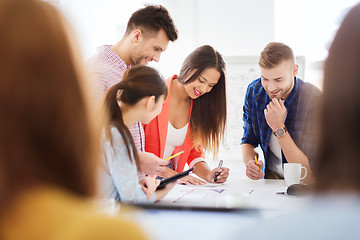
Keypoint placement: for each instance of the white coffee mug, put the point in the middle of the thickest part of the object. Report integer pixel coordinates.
(292, 173)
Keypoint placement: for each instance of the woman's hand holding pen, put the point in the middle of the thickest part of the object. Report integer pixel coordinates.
(253, 170)
(223, 174)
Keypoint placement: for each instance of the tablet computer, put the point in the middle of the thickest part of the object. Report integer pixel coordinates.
(174, 178)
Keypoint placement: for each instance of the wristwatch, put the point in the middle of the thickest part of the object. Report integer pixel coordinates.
(280, 132)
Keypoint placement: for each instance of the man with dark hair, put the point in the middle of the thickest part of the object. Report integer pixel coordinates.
(152, 19)
(147, 35)
(279, 114)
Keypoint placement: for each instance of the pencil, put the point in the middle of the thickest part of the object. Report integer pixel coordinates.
(256, 162)
(175, 155)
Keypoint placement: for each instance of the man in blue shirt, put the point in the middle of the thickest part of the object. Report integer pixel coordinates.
(280, 115)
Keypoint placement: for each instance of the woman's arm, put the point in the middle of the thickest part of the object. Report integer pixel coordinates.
(123, 172)
(188, 180)
(203, 171)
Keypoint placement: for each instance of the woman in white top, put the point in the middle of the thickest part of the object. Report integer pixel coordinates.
(193, 117)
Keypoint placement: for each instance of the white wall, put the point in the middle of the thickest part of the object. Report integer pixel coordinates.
(309, 26)
(233, 27)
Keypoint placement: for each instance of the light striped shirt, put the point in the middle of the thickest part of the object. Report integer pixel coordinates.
(106, 69)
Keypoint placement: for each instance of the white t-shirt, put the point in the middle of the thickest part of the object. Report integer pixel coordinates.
(175, 137)
(275, 157)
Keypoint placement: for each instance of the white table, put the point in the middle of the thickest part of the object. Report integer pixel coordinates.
(258, 196)
(236, 193)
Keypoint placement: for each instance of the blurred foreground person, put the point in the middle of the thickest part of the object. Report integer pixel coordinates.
(48, 144)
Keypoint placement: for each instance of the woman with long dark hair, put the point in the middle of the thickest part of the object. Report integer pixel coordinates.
(193, 117)
(138, 97)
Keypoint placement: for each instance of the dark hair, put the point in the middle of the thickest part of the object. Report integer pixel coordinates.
(338, 163)
(47, 137)
(208, 116)
(153, 18)
(274, 53)
(138, 82)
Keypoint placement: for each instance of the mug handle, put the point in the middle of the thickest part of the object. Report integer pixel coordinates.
(305, 172)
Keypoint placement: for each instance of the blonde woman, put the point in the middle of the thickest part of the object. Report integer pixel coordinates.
(48, 143)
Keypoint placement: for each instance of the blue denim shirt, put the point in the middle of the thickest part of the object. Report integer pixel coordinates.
(301, 120)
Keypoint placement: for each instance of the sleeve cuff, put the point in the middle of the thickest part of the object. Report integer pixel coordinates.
(153, 197)
(195, 161)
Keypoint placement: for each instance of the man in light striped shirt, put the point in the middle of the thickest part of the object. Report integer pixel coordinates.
(147, 35)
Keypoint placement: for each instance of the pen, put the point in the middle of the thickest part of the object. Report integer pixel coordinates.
(175, 155)
(167, 159)
(256, 162)
(217, 174)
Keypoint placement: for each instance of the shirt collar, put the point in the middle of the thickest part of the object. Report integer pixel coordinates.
(113, 57)
(294, 92)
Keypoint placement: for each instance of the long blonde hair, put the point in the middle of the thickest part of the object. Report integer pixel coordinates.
(47, 134)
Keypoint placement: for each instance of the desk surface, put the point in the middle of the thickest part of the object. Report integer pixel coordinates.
(238, 192)
(260, 196)
(242, 193)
